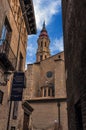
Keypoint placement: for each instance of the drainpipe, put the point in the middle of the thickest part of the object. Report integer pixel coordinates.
(59, 123)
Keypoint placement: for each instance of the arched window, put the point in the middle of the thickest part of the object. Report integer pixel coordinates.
(45, 56)
(45, 44)
(48, 91)
(44, 92)
(40, 57)
(59, 56)
(53, 92)
(41, 43)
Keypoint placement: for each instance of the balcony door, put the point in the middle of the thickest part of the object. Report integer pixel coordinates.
(6, 32)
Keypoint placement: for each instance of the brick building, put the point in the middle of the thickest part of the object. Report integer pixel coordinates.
(15, 25)
(45, 88)
(74, 27)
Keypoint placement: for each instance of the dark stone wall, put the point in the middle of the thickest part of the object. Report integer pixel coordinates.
(74, 31)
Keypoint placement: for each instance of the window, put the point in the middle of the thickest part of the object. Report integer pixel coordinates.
(1, 96)
(41, 43)
(59, 56)
(48, 91)
(40, 57)
(45, 44)
(3, 35)
(49, 74)
(15, 109)
(6, 32)
(13, 128)
(53, 92)
(44, 92)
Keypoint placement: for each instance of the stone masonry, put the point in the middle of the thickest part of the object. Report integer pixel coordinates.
(46, 89)
(74, 28)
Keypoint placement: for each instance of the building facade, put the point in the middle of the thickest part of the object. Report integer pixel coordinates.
(15, 25)
(45, 87)
(74, 27)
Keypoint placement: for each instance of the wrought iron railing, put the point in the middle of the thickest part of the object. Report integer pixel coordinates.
(5, 48)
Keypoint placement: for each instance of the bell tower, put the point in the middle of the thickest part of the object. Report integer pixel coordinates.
(43, 41)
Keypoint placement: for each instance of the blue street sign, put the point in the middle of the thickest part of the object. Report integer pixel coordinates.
(17, 86)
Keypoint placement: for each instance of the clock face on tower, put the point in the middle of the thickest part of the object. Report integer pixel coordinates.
(49, 74)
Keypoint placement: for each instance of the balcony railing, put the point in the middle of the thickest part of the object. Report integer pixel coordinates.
(7, 56)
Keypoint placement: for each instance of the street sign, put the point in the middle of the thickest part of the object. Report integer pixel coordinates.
(19, 79)
(16, 94)
(17, 86)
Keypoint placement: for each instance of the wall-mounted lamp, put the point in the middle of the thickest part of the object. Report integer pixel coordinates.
(5, 78)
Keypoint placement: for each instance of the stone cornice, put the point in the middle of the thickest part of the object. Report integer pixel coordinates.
(46, 99)
(29, 16)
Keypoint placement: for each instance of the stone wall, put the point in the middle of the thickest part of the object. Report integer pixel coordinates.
(45, 107)
(45, 114)
(6, 10)
(74, 27)
(37, 76)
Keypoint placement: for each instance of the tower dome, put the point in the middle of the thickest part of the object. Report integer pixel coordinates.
(43, 31)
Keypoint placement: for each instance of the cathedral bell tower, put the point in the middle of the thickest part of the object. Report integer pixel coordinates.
(43, 51)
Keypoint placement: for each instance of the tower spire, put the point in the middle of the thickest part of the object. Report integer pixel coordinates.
(44, 24)
(43, 51)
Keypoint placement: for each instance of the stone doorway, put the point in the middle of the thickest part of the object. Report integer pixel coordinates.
(26, 122)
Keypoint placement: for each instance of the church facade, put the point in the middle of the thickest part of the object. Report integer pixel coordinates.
(45, 89)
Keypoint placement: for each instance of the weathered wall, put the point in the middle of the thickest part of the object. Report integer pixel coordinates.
(7, 8)
(74, 27)
(45, 114)
(37, 76)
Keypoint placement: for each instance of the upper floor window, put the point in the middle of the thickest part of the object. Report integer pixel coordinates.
(48, 91)
(44, 92)
(59, 56)
(13, 127)
(45, 44)
(40, 57)
(1, 96)
(41, 43)
(53, 91)
(6, 32)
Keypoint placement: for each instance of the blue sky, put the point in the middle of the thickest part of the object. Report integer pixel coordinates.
(50, 11)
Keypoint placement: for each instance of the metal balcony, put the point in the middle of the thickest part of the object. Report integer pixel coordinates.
(7, 57)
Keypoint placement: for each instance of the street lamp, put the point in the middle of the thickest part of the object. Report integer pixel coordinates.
(5, 76)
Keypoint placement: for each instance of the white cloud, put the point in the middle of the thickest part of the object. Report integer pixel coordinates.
(31, 49)
(44, 10)
(57, 46)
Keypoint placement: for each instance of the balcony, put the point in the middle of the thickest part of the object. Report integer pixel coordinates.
(7, 57)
